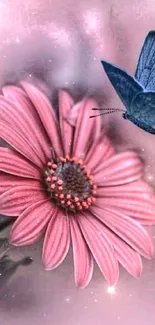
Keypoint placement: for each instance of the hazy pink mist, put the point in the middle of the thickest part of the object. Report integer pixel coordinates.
(62, 43)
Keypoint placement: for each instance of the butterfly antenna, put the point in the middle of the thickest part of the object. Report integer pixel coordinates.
(107, 111)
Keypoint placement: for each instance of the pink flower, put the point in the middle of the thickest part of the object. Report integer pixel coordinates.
(63, 179)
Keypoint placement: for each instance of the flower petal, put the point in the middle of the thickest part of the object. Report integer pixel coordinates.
(65, 105)
(128, 229)
(83, 262)
(126, 256)
(86, 130)
(99, 152)
(31, 223)
(100, 247)
(135, 199)
(47, 115)
(10, 181)
(73, 114)
(120, 169)
(18, 112)
(12, 163)
(57, 241)
(18, 198)
(17, 141)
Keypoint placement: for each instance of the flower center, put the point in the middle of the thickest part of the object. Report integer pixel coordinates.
(69, 184)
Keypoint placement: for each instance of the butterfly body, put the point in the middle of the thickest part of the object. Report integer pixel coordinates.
(137, 93)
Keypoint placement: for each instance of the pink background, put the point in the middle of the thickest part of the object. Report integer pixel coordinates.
(62, 42)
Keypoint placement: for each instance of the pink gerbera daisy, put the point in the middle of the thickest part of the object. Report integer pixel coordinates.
(61, 177)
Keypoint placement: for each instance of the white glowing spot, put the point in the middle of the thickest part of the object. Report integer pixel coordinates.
(30, 75)
(49, 61)
(68, 300)
(130, 295)
(94, 59)
(4, 56)
(66, 82)
(111, 290)
(7, 41)
(2, 3)
(59, 34)
(45, 315)
(95, 300)
(91, 21)
(17, 40)
(118, 318)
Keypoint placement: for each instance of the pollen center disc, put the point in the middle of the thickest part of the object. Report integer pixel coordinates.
(69, 184)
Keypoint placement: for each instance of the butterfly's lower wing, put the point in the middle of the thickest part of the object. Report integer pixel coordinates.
(143, 108)
(145, 72)
(125, 85)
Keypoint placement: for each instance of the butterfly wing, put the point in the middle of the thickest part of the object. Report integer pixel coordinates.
(125, 85)
(145, 72)
(143, 108)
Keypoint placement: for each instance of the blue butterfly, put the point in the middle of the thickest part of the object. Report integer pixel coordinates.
(137, 93)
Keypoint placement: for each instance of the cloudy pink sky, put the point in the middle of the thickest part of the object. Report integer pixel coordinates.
(62, 42)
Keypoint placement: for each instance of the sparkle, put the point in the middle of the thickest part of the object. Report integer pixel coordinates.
(91, 22)
(7, 41)
(17, 40)
(68, 299)
(111, 290)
